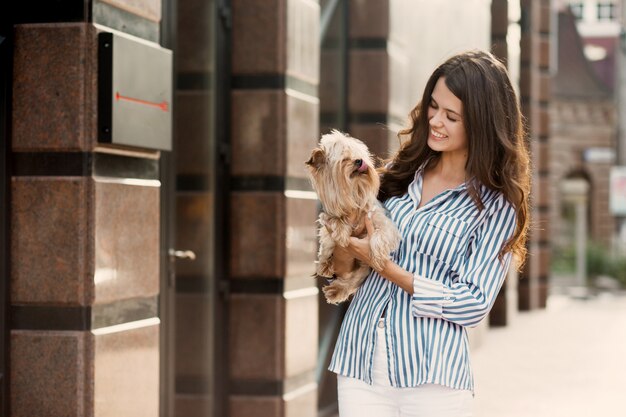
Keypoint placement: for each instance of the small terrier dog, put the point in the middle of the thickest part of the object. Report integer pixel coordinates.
(342, 173)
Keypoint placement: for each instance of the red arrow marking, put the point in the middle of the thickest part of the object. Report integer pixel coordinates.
(162, 105)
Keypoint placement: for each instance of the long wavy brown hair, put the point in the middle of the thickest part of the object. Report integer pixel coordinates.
(497, 149)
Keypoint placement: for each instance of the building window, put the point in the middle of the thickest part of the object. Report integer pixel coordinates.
(606, 11)
(577, 9)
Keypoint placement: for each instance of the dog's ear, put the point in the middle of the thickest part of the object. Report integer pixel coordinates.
(318, 157)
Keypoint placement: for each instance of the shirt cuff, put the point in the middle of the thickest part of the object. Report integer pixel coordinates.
(429, 297)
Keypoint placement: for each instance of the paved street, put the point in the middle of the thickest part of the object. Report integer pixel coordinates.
(567, 360)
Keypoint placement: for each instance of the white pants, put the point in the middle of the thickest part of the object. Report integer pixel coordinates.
(359, 399)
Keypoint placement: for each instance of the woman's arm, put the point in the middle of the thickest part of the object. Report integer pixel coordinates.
(343, 261)
(360, 249)
(469, 298)
(396, 274)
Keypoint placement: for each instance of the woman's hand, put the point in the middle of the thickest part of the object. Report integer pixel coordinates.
(360, 247)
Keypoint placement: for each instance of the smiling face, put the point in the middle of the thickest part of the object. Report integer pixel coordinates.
(445, 117)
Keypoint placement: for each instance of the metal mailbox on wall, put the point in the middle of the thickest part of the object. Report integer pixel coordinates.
(134, 92)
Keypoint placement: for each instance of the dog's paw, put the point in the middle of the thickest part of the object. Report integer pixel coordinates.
(325, 269)
(334, 294)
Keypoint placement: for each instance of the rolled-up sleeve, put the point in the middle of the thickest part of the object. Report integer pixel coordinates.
(429, 297)
(468, 299)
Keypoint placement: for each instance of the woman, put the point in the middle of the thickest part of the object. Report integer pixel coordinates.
(457, 190)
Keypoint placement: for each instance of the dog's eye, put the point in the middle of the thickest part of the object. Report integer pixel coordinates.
(358, 162)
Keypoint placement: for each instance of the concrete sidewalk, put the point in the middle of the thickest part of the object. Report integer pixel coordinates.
(567, 360)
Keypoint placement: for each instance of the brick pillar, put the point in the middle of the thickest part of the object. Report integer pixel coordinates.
(273, 298)
(499, 315)
(535, 96)
(84, 239)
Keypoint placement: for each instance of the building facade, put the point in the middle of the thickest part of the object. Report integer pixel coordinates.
(177, 282)
(583, 144)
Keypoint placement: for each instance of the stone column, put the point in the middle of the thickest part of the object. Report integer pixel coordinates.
(273, 298)
(377, 69)
(84, 231)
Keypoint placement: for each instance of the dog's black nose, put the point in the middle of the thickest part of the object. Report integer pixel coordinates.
(358, 163)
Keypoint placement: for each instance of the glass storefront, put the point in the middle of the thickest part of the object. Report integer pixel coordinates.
(191, 204)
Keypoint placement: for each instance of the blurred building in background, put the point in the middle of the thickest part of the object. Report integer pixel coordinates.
(598, 24)
(587, 144)
(168, 272)
(583, 145)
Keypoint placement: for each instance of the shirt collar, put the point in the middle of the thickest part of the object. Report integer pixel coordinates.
(415, 188)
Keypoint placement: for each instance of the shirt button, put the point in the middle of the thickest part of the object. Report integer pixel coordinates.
(381, 323)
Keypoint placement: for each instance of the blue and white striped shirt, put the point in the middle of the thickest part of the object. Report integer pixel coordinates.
(452, 249)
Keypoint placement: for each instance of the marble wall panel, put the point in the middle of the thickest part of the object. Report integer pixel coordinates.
(330, 87)
(369, 19)
(126, 370)
(379, 139)
(258, 234)
(256, 337)
(302, 131)
(303, 45)
(301, 332)
(244, 406)
(51, 373)
(54, 87)
(258, 132)
(304, 404)
(194, 43)
(188, 405)
(194, 134)
(259, 36)
(301, 239)
(52, 240)
(126, 240)
(368, 68)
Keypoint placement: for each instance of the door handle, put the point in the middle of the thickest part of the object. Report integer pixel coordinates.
(182, 254)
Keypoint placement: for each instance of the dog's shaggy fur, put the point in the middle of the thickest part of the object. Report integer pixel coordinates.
(342, 173)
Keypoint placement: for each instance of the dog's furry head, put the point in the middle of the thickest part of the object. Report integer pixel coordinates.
(342, 172)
